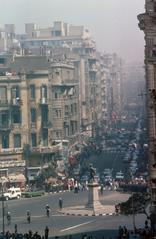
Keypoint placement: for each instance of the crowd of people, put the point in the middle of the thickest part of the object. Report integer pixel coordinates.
(123, 233)
(29, 235)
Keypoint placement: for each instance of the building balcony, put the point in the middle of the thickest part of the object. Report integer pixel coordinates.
(44, 101)
(12, 163)
(44, 149)
(16, 126)
(5, 127)
(46, 124)
(16, 102)
(93, 69)
(4, 103)
(11, 151)
(33, 125)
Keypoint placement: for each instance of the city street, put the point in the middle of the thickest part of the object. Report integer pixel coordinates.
(64, 224)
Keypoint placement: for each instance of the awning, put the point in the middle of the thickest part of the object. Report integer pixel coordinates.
(17, 178)
(3, 180)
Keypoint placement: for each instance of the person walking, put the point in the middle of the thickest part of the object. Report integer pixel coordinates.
(15, 228)
(101, 189)
(60, 203)
(9, 218)
(47, 210)
(46, 233)
(28, 216)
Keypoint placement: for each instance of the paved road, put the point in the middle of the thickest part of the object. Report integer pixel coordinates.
(61, 224)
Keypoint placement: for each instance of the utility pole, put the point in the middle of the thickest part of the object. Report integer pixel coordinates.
(3, 211)
(133, 211)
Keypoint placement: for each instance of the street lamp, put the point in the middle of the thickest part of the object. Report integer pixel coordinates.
(3, 210)
(133, 211)
(26, 152)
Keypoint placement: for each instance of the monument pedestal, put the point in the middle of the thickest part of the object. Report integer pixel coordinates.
(93, 198)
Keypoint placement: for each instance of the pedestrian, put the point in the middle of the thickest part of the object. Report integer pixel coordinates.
(47, 210)
(46, 234)
(9, 218)
(28, 216)
(15, 228)
(60, 203)
(101, 189)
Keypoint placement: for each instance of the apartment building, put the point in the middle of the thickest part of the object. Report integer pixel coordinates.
(65, 104)
(78, 47)
(39, 105)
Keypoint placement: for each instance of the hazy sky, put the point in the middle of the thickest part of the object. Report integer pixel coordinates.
(113, 23)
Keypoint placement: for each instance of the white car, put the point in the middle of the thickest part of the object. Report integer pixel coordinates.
(12, 193)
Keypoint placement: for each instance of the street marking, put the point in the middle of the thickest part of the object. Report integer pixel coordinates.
(79, 225)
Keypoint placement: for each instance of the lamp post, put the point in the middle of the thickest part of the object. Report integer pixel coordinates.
(133, 211)
(3, 210)
(26, 151)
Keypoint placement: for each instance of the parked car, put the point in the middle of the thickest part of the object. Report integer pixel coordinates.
(33, 194)
(12, 193)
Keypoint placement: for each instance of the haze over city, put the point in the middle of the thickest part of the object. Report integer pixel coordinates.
(113, 23)
(77, 119)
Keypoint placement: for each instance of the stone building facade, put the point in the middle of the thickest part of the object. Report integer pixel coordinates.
(39, 108)
(147, 23)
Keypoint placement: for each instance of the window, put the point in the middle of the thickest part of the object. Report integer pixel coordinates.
(75, 108)
(45, 137)
(33, 140)
(71, 109)
(56, 95)
(16, 116)
(15, 92)
(44, 91)
(5, 141)
(2, 60)
(57, 73)
(17, 140)
(66, 110)
(57, 33)
(33, 115)
(4, 119)
(32, 91)
(58, 135)
(3, 94)
(58, 113)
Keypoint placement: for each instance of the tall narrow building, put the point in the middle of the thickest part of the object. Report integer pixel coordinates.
(147, 23)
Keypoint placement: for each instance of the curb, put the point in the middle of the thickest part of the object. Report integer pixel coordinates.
(88, 215)
(63, 191)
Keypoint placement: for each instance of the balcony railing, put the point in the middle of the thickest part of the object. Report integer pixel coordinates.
(33, 125)
(46, 124)
(16, 102)
(45, 149)
(11, 150)
(4, 103)
(16, 126)
(44, 101)
(5, 126)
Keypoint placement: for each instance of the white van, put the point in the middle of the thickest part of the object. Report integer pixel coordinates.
(12, 193)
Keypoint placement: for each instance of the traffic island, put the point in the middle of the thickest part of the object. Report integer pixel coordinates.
(93, 206)
(83, 211)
